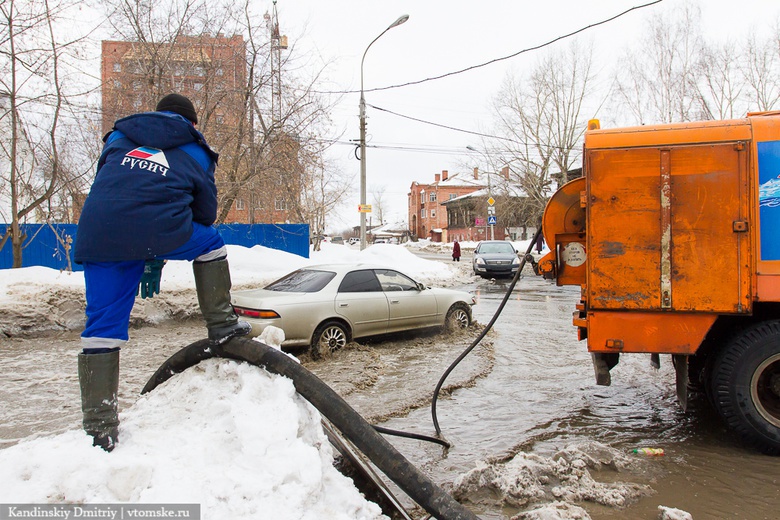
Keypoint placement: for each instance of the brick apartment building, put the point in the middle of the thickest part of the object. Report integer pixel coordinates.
(212, 72)
(427, 215)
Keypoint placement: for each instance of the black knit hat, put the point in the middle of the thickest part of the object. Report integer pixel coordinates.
(178, 104)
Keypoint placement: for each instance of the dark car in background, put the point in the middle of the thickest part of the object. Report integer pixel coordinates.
(495, 258)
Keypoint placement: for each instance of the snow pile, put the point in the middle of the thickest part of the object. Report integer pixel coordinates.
(530, 478)
(229, 436)
(670, 513)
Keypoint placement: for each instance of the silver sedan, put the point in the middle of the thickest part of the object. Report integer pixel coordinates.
(326, 306)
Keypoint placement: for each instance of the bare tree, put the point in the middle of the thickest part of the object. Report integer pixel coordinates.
(379, 203)
(656, 83)
(542, 120)
(324, 188)
(721, 84)
(762, 72)
(266, 130)
(33, 110)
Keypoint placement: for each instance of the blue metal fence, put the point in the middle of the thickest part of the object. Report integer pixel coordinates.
(50, 245)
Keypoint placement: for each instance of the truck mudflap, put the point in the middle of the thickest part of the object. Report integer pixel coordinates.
(602, 364)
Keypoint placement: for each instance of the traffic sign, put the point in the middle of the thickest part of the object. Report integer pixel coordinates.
(364, 208)
(491, 201)
(491, 210)
(492, 220)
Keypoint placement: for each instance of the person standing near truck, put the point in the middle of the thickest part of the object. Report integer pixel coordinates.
(154, 198)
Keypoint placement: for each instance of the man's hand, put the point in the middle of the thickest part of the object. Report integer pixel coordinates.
(150, 281)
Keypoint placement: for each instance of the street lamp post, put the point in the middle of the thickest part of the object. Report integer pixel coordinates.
(401, 19)
(490, 189)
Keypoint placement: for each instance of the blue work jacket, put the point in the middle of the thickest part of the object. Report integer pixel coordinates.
(154, 178)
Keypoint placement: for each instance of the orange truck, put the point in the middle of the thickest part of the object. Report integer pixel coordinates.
(673, 235)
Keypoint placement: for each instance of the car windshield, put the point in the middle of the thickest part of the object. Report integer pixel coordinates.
(305, 281)
(498, 247)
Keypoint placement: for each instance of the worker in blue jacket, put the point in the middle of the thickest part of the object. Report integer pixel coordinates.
(153, 199)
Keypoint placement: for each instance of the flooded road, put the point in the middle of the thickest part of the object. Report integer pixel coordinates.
(541, 398)
(529, 426)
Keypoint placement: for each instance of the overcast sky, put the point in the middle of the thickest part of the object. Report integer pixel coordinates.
(443, 36)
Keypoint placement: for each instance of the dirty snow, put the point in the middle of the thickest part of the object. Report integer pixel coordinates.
(528, 478)
(670, 513)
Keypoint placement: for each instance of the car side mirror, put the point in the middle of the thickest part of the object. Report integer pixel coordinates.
(420, 286)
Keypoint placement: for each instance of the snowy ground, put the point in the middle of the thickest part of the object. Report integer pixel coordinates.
(232, 438)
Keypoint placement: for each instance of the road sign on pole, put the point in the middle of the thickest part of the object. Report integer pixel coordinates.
(364, 208)
(491, 220)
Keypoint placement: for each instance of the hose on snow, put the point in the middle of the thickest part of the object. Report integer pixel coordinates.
(412, 481)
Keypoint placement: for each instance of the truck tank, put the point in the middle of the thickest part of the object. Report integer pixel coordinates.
(673, 235)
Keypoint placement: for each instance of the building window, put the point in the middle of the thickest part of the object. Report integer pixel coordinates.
(280, 205)
(220, 119)
(219, 72)
(197, 87)
(422, 213)
(240, 206)
(433, 213)
(432, 197)
(117, 67)
(452, 196)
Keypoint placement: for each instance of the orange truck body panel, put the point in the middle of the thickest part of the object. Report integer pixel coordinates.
(664, 232)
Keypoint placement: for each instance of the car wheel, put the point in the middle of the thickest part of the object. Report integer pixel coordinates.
(328, 338)
(458, 317)
(745, 385)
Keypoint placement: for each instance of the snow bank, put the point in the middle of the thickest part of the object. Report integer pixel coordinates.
(229, 436)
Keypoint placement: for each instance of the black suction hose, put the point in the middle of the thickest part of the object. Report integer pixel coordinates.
(482, 334)
(412, 481)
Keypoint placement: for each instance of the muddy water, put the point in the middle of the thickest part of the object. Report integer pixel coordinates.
(521, 400)
(540, 398)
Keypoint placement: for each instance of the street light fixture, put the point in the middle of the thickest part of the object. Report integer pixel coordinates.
(490, 190)
(401, 19)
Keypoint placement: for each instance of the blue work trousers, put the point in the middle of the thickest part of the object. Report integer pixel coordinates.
(111, 288)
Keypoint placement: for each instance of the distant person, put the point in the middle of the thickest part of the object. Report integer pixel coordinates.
(539, 242)
(153, 199)
(456, 251)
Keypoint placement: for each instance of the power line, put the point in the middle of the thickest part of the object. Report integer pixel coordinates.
(442, 126)
(496, 60)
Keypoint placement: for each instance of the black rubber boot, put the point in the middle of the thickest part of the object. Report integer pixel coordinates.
(99, 381)
(212, 283)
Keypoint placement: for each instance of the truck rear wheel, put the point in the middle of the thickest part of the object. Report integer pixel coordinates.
(746, 385)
